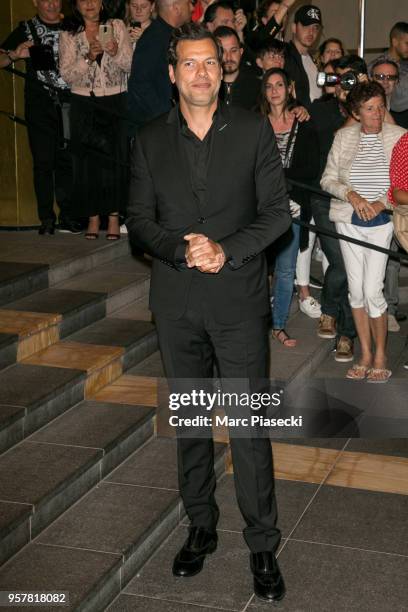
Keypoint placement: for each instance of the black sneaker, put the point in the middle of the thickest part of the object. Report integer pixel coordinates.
(66, 226)
(47, 227)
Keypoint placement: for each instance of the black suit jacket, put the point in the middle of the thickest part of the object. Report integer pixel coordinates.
(149, 88)
(246, 210)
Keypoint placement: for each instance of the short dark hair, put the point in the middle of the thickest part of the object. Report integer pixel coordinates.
(290, 102)
(353, 62)
(274, 45)
(380, 62)
(362, 92)
(211, 10)
(225, 32)
(191, 31)
(401, 27)
(264, 7)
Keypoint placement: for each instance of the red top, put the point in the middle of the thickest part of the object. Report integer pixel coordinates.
(399, 167)
(197, 12)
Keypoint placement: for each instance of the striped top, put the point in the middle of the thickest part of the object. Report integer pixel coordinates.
(369, 174)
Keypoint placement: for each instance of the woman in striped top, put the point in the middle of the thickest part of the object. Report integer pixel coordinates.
(357, 175)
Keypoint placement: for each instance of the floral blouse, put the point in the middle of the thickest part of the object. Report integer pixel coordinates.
(108, 78)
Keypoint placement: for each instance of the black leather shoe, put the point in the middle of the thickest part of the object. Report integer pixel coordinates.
(47, 227)
(268, 581)
(189, 560)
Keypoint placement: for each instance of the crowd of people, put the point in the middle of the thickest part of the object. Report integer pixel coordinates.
(96, 75)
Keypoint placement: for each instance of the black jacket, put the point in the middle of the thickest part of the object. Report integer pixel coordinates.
(246, 210)
(297, 73)
(244, 91)
(149, 87)
(262, 34)
(304, 168)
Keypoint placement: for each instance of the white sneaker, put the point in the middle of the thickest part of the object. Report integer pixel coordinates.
(310, 307)
(393, 325)
(123, 229)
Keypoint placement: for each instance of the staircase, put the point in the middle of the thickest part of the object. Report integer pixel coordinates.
(88, 490)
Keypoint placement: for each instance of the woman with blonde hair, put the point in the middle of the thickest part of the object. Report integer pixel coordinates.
(138, 17)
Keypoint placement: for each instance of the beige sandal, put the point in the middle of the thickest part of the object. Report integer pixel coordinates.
(358, 372)
(378, 375)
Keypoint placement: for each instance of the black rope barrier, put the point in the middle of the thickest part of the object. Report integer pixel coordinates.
(313, 189)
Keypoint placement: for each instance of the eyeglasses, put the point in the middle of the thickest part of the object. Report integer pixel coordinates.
(273, 54)
(385, 77)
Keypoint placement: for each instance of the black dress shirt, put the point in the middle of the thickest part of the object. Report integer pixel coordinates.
(198, 154)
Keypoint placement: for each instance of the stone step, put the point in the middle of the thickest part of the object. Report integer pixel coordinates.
(123, 280)
(109, 533)
(61, 257)
(32, 395)
(41, 319)
(20, 279)
(82, 359)
(44, 475)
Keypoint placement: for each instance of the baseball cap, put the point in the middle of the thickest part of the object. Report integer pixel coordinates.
(308, 14)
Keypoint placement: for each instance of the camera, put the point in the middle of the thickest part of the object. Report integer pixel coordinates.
(135, 24)
(329, 79)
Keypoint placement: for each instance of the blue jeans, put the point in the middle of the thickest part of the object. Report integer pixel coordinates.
(284, 275)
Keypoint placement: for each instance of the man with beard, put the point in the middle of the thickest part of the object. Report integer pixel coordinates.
(207, 196)
(149, 89)
(241, 84)
(299, 63)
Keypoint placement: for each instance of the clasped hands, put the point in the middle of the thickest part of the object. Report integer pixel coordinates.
(204, 254)
(365, 210)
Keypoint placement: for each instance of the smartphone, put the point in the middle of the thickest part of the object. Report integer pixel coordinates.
(135, 24)
(105, 34)
(42, 57)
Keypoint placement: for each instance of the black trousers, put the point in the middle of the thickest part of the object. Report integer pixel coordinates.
(334, 297)
(52, 166)
(189, 347)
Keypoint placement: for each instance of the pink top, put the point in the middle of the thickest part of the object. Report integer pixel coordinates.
(399, 167)
(105, 80)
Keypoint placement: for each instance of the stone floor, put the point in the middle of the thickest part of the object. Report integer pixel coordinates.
(342, 489)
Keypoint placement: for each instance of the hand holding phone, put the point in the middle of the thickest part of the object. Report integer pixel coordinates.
(105, 34)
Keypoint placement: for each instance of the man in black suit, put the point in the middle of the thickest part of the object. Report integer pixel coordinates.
(207, 196)
(149, 88)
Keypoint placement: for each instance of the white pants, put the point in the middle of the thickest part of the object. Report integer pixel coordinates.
(304, 259)
(366, 268)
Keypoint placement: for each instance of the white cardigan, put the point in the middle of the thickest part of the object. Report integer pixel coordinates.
(336, 176)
